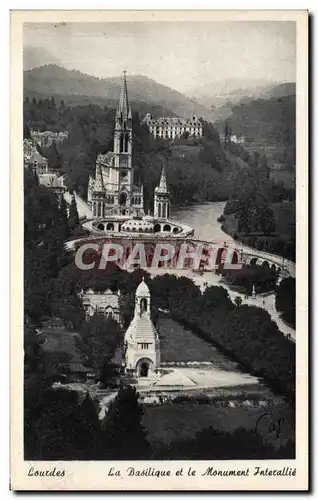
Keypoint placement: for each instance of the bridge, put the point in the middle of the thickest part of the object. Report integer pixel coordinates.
(241, 253)
(245, 254)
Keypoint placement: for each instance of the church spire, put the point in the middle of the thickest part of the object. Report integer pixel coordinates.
(99, 183)
(161, 198)
(163, 182)
(123, 111)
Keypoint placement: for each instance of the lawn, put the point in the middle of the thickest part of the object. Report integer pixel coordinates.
(178, 344)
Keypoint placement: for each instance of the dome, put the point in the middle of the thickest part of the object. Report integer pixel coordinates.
(142, 289)
(138, 225)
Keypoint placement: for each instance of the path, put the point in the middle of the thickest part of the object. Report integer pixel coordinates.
(82, 207)
(213, 279)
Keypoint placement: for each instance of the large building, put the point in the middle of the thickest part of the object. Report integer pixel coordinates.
(47, 138)
(115, 201)
(111, 190)
(142, 346)
(232, 138)
(174, 128)
(33, 160)
(105, 303)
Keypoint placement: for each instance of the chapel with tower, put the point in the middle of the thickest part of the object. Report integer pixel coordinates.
(142, 346)
(112, 190)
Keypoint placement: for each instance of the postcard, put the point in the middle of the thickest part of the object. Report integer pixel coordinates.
(159, 214)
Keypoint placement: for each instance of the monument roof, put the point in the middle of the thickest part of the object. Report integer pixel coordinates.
(142, 289)
(142, 329)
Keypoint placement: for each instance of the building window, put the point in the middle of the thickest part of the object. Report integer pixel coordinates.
(159, 209)
(144, 345)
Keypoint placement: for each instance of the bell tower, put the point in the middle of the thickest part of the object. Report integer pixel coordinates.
(123, 144)
(161, 198)
(142, 300)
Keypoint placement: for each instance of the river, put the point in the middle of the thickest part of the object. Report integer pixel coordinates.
(203, 218)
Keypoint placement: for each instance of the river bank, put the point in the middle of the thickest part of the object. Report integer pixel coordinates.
(206, 219)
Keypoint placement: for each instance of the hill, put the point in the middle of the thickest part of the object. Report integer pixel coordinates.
(84, 100)
(220, 96)
(266, 121)
(283, 90)
(51, 80)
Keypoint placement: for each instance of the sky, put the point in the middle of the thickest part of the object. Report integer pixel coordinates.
(181, 55)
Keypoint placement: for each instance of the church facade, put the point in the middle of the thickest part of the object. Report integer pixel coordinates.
(142, 346)
(112, 190)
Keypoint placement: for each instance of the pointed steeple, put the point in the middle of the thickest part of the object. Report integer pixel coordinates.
(161, 198)
(123, 111)
(99, 183)
(163, 182)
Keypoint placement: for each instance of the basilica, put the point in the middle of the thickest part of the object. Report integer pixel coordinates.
(115, 200)
(112, 190)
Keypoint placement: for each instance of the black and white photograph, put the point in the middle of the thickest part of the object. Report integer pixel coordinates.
(158, 160)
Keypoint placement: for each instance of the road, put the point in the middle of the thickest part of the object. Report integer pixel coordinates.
(212, 279)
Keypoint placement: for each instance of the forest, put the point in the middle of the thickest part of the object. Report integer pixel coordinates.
(196, 170)
(267, 122)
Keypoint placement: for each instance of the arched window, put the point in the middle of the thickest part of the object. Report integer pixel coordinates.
(121, 143)
(159, 209)
(143, 305)
(164, 210)
(122, 199)
(126, 143)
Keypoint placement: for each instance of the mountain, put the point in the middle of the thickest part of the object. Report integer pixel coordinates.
(267, 121)
(83, 100)
(34, 57)
(220, 93)
(283, 90)
(51, 80)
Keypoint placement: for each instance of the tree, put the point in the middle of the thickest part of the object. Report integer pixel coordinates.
(26, 132)
(73, 218)
(267, 221)
(285, 300)
(124, 434)
(100, 338)
(91, 438)
(64, 218)
(61, 431)
(238, 301)
(126, 305)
